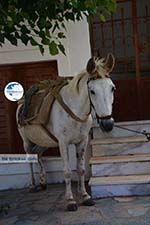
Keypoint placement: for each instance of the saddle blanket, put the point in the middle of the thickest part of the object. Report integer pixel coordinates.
(38, 100)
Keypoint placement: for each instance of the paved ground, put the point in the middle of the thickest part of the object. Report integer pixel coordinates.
(47, 208)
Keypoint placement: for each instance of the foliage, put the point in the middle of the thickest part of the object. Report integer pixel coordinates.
(42, 22)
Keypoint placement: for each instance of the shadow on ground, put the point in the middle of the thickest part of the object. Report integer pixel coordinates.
(48, 208)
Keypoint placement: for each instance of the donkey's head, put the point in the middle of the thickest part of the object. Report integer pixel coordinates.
(101, 89)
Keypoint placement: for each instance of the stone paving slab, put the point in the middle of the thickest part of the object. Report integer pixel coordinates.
(48, 208)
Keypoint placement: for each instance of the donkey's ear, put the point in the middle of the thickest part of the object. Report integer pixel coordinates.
(91, 66)
(109, 62)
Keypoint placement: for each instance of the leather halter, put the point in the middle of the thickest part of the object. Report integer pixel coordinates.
(67, 109)
(60, 100)
(95, 77)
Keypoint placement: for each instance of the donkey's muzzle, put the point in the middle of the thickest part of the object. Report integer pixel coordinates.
(106, 124)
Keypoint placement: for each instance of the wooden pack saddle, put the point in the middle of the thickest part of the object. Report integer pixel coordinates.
(38, 100)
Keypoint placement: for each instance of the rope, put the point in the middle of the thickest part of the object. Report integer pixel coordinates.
(144, 132)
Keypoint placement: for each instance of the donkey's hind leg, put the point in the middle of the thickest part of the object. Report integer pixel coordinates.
(28, 146)
(39, 151)
(32, 185)
(43, 180)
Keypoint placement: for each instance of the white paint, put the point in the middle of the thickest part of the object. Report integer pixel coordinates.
(77, 46)
(17, 175)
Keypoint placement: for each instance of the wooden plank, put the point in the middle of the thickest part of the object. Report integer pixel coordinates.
(131, 179)
(119, 140)
(119, 159)
(3, 136)
(121, 149)
(120, 190)
(120, 169)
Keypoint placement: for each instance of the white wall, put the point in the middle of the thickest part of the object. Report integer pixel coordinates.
(77, 46)
(17, 175)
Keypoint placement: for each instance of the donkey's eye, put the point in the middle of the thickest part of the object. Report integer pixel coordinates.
(92, 92)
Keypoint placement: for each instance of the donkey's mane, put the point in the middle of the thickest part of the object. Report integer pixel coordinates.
(74, 83)
(100, 71)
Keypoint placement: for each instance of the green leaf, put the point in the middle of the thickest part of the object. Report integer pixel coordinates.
(61, 35)
(79, 16)
(25, 30)
(33, 42)
(34, 16)
(17, 35)
(25, 39)
(102, 18)
(56, 26)
(41, 49)
(53, 48)
(48, 25)
(47, 32)
(36, 31)
(42, 34)
(111, 5)
(18, 18)
(1, 38)
(10, 23)
(41, 23)
(8, 29)
(61, 48)
(12, 39)
(45, 41)
(69, 16)
(63, 26)
(46, 19)
(89, 3)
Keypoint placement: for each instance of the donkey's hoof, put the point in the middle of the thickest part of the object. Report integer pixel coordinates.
(34, 189)
(72, 207)
(43, 186)
(88, 202)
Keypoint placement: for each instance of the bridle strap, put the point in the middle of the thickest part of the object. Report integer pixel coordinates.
(67, 109)
(91, 104)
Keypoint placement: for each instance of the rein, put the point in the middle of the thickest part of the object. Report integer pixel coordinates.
(67, 109)
(144, 132)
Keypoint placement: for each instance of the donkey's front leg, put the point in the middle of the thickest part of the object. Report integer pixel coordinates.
(71, 204)
(81, 148)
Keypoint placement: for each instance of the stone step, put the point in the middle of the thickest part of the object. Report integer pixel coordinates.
(120, 186)
(120, 146)
(118, 140)
(120, 165)
(119, 159)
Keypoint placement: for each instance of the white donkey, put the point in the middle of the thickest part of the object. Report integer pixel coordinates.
(92, 88)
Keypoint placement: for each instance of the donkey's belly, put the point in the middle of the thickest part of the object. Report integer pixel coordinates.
(37, 135)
